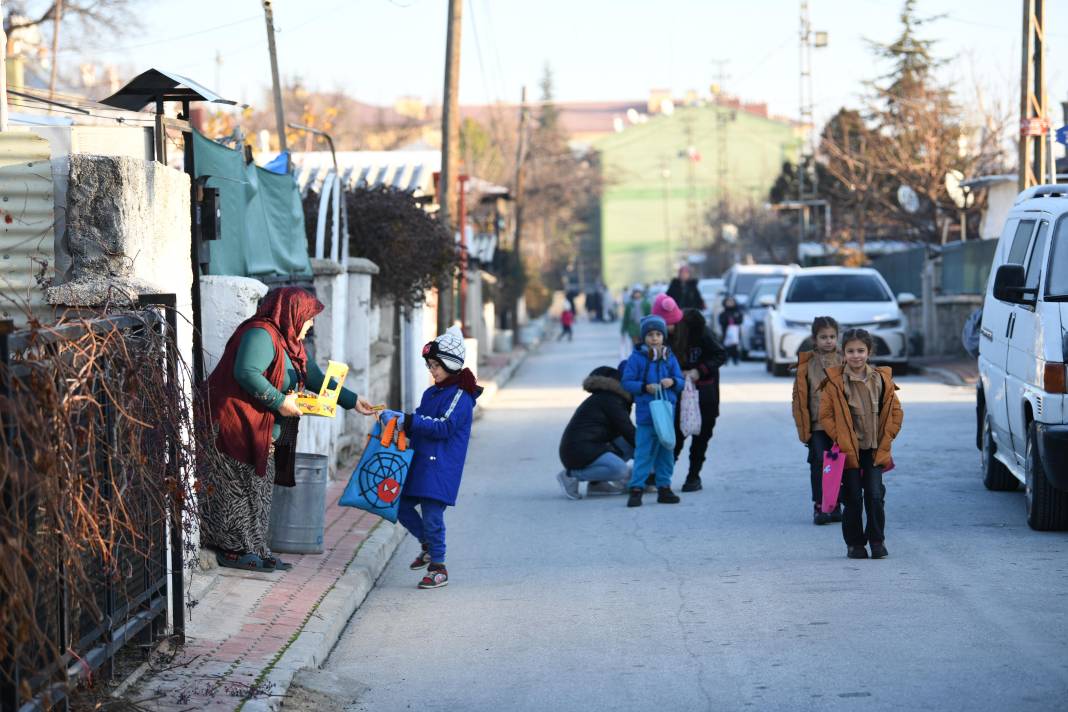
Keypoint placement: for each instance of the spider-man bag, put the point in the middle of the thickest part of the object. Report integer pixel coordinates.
(376, 483)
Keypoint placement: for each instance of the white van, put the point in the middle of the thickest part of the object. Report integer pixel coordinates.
(1021, 397)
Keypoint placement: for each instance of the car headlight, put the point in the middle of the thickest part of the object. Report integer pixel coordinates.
(791, 324)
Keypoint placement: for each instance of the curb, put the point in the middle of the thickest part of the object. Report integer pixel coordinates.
(329, 618)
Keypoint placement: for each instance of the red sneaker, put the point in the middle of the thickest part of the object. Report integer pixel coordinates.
(436, 577)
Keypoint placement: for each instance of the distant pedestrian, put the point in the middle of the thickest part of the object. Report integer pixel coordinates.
(567, 320)
(440, 429)
(683, 289)
(700, 356)
(635, 309)
(860, 412)
(811, 371)
(599, 438)
(730, 325)
(651, 367)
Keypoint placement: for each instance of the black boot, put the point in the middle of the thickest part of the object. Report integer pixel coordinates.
(635, 499)
(692, 483)
(666, 496)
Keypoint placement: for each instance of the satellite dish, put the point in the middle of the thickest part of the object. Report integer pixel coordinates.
(961, 197)
(632, 115)
(617, 124)
(667, 107)
(908, 199)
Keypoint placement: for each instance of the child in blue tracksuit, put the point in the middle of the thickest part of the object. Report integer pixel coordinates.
(650, 365)
(440, 429)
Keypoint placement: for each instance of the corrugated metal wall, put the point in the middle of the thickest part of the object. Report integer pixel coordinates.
(966, 266)
(903, 270)
(27, 218)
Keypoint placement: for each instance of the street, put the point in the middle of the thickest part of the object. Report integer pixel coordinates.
(731, 599)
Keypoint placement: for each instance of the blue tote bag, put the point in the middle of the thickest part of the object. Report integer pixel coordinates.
(377, 481)
(662, 411)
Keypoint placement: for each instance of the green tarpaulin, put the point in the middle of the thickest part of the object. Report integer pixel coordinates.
(262, 218)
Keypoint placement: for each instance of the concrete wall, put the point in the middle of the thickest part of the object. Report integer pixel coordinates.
(225, 302)
(950, 313)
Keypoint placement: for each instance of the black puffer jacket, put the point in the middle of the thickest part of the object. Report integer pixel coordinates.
(705, 354)
(600, 419)
(686, 294)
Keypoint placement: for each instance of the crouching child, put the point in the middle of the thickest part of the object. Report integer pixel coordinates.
(439, 431)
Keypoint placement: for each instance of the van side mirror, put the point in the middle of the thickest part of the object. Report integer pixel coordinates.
(1009, 283)
(767, 301)
(906, 298)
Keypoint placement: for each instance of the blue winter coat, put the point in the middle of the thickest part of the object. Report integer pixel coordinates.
(439, 430)
(640, 370)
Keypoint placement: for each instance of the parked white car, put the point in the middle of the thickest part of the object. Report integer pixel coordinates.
(753, 344)
(738, 281)
(854, 296)
(1022, 404)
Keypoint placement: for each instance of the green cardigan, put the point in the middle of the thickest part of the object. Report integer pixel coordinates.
(254, 356)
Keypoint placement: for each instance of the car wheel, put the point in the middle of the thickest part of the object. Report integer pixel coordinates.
(1047, 506)
(900, 369)
(996, 477)
(779, 370)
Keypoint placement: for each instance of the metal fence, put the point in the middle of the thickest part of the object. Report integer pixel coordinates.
(903, 271)
(962, 269)
(966, 266)
(133, 606)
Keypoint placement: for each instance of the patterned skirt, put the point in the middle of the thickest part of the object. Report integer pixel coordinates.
(235, 504)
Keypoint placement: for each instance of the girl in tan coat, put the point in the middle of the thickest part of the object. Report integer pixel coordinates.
(811, 371)
(860, 411)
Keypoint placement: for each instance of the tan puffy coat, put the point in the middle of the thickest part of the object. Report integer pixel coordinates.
(802, 418)
(837, 420)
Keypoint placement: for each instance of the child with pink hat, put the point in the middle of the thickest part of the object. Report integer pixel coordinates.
(667, 309)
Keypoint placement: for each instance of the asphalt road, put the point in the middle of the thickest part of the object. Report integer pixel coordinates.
(731, 599)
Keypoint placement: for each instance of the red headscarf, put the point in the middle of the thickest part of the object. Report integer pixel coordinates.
(244, 424)
(287, 309)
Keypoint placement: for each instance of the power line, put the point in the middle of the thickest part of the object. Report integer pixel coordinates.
(166, 40)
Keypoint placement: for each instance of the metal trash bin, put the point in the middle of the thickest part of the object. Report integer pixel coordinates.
(298, 514)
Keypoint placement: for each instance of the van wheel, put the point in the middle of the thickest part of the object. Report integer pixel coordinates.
(767, 365)
(1047, 506)
(996, 476)
(779, 369)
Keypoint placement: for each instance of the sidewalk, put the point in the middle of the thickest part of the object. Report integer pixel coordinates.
(248, 633)
(953, 371)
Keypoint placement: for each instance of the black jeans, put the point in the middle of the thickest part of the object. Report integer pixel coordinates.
(699, 442)
(732, 354)
(819, 443)
(864, 489)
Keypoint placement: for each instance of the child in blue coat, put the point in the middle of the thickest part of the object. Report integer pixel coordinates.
(651, 365)
(439, 430)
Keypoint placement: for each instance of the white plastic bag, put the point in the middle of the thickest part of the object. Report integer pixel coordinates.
(733, 336)
(689, 410)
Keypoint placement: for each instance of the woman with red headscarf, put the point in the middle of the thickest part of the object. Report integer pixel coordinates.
(252, 404)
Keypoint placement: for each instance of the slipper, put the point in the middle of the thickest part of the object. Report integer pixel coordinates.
(273, 563)
(246, 562)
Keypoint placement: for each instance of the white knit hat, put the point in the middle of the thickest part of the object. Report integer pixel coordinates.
(449, 349)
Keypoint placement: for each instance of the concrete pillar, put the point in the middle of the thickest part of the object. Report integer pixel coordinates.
(357, 276)
(225, 302)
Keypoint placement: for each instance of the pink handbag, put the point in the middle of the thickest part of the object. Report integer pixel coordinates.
(833, 467)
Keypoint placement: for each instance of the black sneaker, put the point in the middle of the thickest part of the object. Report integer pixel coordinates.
(692, 483)
(664, 495)
(422, 560)
(836, 515)
(878, 550)
(635, 499)
(436, 577)
(820, 518)
(650, 483)
(857, 552)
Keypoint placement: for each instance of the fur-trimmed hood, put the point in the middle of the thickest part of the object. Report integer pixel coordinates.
(592, 384)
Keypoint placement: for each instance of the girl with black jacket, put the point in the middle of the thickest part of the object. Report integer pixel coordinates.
(700, 356)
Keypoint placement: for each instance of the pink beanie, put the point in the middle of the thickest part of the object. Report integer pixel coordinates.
(666, 308)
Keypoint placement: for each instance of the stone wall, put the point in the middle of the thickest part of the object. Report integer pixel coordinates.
(950, 313)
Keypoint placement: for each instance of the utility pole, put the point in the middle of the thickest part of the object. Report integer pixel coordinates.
(665, 175)
(450, 144)
(520, 157)
(806, 156)
(3, 71)
(724, 115)
(1034, 116)
(55, 52)
(279, 115)
(692, 157)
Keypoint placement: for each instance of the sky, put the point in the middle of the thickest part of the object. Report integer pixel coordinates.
(377, 50)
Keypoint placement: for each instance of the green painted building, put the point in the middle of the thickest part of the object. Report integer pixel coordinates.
(662, 176)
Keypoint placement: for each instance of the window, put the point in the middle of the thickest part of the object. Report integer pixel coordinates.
(1019, 242)
(1034, 263)
(838, 288)
(1057, 276)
